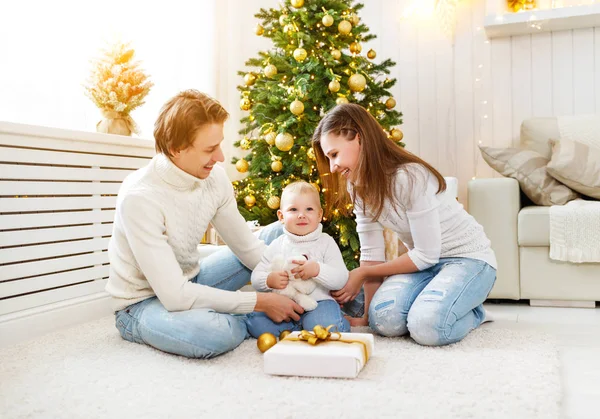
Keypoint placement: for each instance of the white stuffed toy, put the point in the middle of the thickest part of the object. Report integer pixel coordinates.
(296, 289)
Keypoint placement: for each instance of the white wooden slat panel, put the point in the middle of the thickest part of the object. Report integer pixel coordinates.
(8, 188)
(11, 204)
(61, 139)
(463, 98)
(54, 234)
(42, 251)
(597, 69)
(24, 302)
(521, 83)
(562, 73)
(584, 101)
(26, 269)
(15, 221)
(482, 92)
(25, 172)
(407, 74)
(27, 155)
(24, 286)
(541, 70)
(445, 135)
(427, 93)
(502, 83)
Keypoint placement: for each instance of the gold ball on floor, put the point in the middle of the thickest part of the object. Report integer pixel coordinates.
(283, 334)
(265, 342)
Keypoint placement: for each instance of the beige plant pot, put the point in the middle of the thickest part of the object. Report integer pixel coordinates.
(115, 123)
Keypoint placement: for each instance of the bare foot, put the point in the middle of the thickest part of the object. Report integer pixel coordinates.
(357, 321)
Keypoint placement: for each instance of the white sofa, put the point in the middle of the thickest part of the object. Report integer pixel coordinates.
(520, 237)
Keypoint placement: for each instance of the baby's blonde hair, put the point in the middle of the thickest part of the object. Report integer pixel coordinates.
(298, 188)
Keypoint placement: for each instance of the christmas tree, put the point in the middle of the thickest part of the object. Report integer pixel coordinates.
(315, 63)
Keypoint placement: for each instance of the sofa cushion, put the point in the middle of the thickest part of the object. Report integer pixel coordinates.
(534, 226)
(529, 169)
(576, 165)
(536, 133)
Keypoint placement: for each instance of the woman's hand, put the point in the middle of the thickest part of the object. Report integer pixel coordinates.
(306, 269)
(352, 287)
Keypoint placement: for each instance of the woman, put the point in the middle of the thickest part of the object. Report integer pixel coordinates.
(434, 291)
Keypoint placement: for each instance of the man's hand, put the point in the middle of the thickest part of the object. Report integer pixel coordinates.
(352, 287)
(278, 307)
(306, 269)
(277, 280)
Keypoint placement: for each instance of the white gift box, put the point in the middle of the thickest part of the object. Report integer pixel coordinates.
(326, 359)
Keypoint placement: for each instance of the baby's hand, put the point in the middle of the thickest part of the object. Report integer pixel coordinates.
(306, 269)
(278, 280)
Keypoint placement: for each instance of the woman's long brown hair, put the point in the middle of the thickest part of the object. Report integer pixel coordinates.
(378, 162)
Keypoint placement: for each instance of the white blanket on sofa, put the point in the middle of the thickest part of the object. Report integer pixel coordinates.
(575, 231)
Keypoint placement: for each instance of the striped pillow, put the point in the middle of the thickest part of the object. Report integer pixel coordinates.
(577, 165)
(528, 167)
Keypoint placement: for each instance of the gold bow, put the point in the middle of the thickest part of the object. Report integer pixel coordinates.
(321, 334)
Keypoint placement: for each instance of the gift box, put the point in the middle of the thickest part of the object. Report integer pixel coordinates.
(343, 355)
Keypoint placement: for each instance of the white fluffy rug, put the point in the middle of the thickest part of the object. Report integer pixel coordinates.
(90, 372)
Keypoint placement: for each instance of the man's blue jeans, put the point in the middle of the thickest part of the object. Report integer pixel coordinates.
(196, 333)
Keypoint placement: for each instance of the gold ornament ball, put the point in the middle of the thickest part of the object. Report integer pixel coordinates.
(245, 144)
(357, 82)
(265, 342)
(355, 48)
(270, 138)
(344, 27)
(259, 30)
(336, 54)
(327, 20)
(315, 186)
(288, 28)
(396, 134)
(242, 166)
(371, 54)
(283, 334)
(284, 141)
(245, 104)
(334, 86)
(250, 200)
(277, 166)
(354, 19)
(282, 19)
(249, 79)
(297, 3)
(270, 70)
(390, 103)
(273, 203)
(311, 153)
(341, 100)
(297, 107)
(300, 54)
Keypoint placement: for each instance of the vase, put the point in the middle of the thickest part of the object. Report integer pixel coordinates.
(116, 123)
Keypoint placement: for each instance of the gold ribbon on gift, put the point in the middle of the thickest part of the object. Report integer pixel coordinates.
(321, 334)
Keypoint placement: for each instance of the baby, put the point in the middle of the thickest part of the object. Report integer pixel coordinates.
(304, 254)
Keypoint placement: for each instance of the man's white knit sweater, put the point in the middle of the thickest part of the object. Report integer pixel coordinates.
(162, 214)
(431, 225)
(317, 246)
